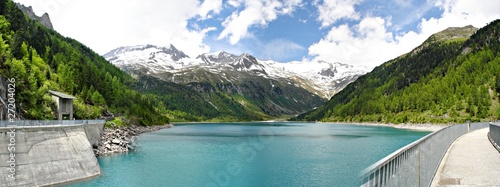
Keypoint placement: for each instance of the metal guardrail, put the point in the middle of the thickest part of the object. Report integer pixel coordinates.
(415, 164)
(41, 123)
(494, 135)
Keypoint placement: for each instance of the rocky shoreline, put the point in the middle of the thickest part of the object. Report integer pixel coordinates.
(121, 139)
(417, 127)
(410, 126)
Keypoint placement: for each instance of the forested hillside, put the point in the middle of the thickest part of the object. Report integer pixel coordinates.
(449, 78)
(41, 59)
(231, 85)
(184, 103)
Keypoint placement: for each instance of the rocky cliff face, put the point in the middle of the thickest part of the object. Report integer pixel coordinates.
(44, 19)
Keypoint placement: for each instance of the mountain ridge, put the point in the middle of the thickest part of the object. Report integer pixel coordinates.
(437, 82)
(322, 78)
(242, 79)
(44, 19)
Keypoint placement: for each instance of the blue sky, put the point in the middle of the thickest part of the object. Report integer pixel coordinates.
(358, 32)
(288, 37)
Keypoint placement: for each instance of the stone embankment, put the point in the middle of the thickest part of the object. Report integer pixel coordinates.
(121, 139)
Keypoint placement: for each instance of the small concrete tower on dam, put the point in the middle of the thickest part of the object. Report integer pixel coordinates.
(64, 104)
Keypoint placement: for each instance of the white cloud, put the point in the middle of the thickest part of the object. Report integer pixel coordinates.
(459, 13)
(414, 13)
(235, 3)
(105, 25)
(462, 13)
(403, 3)
(256, 12)
(279, 49)
(330, 11)
(370, 43)
(208, 6)
(367, 43)
(290, 6)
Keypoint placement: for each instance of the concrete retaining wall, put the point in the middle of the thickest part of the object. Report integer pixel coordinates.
(94, 132)
(48, 155)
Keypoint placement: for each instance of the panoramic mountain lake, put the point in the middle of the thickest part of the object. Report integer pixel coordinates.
(252, 154)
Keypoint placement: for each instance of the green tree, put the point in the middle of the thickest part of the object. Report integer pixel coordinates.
(3, 50)
(97, 99)
(66, 78)
(17, 69)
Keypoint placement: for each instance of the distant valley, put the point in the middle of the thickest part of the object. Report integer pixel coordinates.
(170, 64)
(266, 88)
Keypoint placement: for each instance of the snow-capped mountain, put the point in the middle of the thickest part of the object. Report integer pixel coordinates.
(326, 77)
(322, 78)
(153, 59)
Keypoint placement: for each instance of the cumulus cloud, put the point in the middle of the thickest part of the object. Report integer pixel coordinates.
(280, 49)
(364, 38)
(330, 11)
(208, 6)
(256, 12)
(462, 13)
(364, 44)
(370, 43)
(235, 3)
(105, 25)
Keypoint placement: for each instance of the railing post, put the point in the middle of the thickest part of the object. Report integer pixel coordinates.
(419, 176)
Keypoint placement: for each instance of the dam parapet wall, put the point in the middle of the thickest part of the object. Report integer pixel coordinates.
(48, 154)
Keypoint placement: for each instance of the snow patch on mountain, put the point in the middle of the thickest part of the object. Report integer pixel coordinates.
(320, 77)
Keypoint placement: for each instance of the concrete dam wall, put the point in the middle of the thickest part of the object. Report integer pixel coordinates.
(47, 155)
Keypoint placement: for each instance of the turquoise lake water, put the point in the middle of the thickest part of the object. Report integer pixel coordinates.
(252, 154)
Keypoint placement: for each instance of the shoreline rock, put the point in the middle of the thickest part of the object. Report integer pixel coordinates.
(121, 139)
(410, 126)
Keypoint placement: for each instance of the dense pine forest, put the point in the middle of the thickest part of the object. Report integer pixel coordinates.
(41, 59)
(446, 79)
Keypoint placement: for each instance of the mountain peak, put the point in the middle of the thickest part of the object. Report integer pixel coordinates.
(417, 88)
(176, 53)
(447, 35)
(453, 33)
(246, 55)
(246, 61)
(218, 54)
(44, 19)
(151, 50)
(319, 77)
(217, 57)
